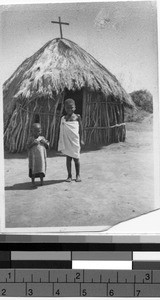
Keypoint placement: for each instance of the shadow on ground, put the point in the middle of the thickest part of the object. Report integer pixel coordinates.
(28, 185)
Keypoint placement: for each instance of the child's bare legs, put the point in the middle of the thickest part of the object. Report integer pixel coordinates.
(77, 166)
(69, 168)
(33, 183)
(41, 179)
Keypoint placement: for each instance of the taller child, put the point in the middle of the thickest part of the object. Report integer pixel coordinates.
(70, 138)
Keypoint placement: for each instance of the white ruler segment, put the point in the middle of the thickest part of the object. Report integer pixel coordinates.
(103, 265)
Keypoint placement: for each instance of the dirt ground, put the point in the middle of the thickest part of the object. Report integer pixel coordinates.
(117, 185)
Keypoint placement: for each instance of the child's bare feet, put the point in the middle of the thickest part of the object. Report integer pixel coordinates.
(78, 178)
(69, 179)
(41, 178)
(33, 184)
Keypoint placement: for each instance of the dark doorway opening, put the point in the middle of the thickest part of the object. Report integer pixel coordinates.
(77, 96)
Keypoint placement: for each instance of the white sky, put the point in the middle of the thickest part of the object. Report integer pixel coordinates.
(120, 35)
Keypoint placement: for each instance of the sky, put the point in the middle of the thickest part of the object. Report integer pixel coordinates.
(120, 35)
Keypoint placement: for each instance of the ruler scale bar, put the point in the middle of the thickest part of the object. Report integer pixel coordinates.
(83, 276)
(79, 289)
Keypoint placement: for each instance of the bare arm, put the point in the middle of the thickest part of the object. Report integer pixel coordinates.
(32, 142)
(45, 143)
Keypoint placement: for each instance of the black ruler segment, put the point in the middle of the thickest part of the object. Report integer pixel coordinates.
(5, 258)
(17, 246)
(5, 264)
(41, 264)
(146, 265)
(5, 255)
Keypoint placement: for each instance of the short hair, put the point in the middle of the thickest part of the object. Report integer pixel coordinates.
(69, 101)
(36, 125)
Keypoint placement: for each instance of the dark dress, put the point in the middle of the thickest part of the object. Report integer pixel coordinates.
(37, 157)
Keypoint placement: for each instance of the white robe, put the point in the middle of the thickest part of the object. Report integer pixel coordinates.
(69, 142)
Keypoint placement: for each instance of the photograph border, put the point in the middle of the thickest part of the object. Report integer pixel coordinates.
(89, 230)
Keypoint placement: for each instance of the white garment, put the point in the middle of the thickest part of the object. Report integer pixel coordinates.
(69, 143)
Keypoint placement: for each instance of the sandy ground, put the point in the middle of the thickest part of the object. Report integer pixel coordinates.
(117, 185)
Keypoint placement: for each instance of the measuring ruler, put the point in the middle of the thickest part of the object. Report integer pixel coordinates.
(55, 274)
(79, 283)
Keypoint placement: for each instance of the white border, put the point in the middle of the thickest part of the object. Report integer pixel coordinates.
(91, 230)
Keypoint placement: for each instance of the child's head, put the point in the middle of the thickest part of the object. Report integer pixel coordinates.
(70, 106)
(36, 129)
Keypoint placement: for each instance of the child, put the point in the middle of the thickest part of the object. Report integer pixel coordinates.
(71, 135)
(37, 146)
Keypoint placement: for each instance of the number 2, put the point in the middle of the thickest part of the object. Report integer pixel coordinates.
(3, 292)
(77, 275)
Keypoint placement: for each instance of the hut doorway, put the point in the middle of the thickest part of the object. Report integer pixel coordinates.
(77, 96)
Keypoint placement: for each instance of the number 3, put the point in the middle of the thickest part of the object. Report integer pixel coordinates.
(30, 292)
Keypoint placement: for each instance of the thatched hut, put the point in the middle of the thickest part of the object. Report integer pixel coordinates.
(39, 86)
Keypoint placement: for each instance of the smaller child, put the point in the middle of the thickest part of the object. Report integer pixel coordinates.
(37, 146)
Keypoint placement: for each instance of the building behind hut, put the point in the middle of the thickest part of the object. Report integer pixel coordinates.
(40, 85)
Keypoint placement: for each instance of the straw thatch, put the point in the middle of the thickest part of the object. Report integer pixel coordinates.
(39, 86)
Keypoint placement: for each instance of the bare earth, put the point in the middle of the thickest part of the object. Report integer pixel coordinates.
(117, 185)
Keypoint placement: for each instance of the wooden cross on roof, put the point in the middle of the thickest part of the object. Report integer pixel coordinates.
(60, 25)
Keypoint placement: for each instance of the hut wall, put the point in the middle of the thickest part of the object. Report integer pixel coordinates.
(23, 116)
(103, 119)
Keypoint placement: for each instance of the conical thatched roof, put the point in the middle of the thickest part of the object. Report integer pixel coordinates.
(61, 64)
